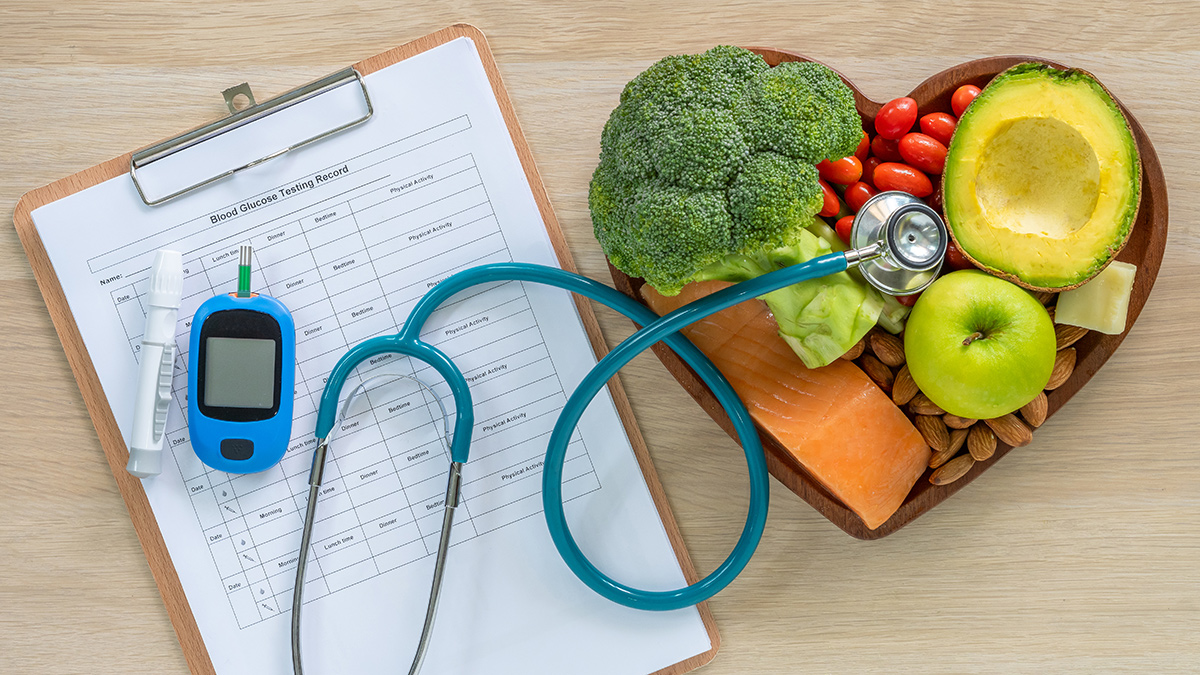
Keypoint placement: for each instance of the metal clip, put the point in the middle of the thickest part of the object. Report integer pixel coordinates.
(240, 117)
(231, 93)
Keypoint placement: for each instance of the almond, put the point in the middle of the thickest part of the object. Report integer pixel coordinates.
(1011, 430)
(1064, 365)
(952, 470)
(875, 369)
(1043, 297)
(888, 348)
(941, 457)
(957, 438)
(1066, 335)
(956, 422)
(1034, 412)
(904, 388)
(981, 442)
(1050, 311)
(921, 405)
(933, 431)
(855, 351)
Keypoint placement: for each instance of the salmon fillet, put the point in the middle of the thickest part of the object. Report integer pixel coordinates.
(834, 420)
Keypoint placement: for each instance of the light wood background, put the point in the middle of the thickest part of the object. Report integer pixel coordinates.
(1079, 553)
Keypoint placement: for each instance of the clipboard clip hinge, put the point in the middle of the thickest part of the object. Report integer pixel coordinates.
(231, 95)
(241, 115)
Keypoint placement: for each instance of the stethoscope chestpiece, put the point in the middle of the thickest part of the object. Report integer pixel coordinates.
(914, 240)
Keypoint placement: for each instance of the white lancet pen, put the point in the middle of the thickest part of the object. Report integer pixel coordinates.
(153, 396)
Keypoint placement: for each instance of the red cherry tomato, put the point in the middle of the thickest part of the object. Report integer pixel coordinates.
(869, 165)
(857, 194)
(830, 206)
(895, 176)
(843, 228)
(940, 126)
(936, 202)
(843, 171)
(962, 98)
(956, 259)
(923, 152)
(885, 149)
(864, 146)
(908, 300)
(896, 117)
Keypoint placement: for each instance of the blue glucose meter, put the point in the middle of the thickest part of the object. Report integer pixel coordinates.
(241, 380)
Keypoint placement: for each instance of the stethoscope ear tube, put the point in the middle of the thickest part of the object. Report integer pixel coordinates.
(404, 343)
(315, 477)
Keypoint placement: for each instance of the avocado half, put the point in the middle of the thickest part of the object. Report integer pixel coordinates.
(1043, 178)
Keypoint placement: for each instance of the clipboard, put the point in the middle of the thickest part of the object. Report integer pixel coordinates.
(115, 451)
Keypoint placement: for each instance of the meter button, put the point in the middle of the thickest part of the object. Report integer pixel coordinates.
(237, 448)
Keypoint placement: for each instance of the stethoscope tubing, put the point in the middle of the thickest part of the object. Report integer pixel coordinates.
(655, 329)
(658, 329)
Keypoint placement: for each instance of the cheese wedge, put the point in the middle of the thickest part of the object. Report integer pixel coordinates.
(1102, 303)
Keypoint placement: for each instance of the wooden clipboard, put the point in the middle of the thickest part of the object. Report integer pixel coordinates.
(144, 522)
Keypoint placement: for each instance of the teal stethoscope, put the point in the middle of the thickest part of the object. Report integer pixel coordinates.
(899, 243)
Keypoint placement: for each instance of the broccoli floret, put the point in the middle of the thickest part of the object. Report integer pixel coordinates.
(801, 110)
(771, 198)
(706, 172)
(695, 220)
(610, 198)
(676, 119)
(700, 149)
(629, 218)
(629, 150)
(714, 79)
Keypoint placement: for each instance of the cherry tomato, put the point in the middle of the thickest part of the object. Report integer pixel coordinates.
(940, 126)
(962, 98)
(869, 165)
(923, 152)
(830, 207)
(896, 117)
(843, 171)
(864, 146)
(936, 202)
(908, 300)
(886, 150)
(857, 194)
(895, 176)
(956, 259)
(843, 227)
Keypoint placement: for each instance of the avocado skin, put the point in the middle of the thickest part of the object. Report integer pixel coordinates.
(954, 193)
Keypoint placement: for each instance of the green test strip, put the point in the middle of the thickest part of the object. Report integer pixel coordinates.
(243, 290)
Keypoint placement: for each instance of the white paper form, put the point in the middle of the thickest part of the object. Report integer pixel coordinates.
(349, 233)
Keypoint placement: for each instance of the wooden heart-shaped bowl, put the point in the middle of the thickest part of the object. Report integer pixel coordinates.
(1144, 249)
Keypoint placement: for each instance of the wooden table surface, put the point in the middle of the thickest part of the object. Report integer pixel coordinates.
(1079, 553)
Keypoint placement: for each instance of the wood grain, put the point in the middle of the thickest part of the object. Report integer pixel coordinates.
(1144, 249)
(1076, 554)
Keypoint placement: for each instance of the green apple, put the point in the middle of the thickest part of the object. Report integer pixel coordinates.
(979, 346)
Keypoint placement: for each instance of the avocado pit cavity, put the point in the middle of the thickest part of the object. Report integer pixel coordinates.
(1039, 176)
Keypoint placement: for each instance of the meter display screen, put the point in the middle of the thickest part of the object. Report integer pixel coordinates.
(239, 372)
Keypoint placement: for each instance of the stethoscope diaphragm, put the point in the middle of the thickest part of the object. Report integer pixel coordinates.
(913, 237)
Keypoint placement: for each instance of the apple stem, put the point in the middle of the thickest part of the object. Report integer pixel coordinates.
(973, 337)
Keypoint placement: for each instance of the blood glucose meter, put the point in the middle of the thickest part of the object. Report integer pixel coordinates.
(241, 379)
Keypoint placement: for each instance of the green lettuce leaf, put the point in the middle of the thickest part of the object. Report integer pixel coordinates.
(820, 319)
